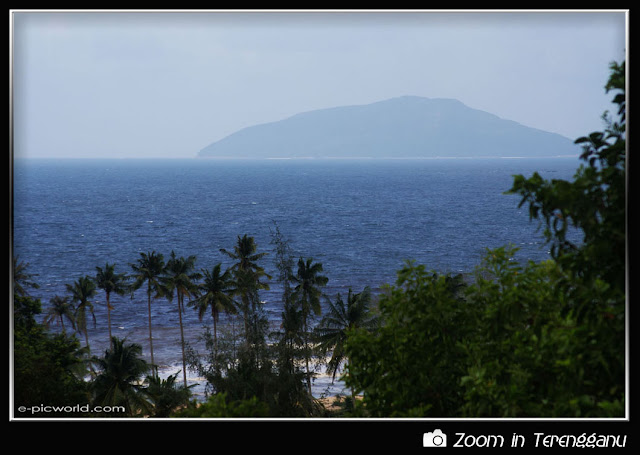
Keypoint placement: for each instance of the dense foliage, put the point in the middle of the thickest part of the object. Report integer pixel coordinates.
(541, 339)
(47, 368)
(512, 339)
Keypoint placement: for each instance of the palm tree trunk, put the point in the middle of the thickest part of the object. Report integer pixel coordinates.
(109, 322)
(306, 355)
(245, 312)
(184, 367)
(308, 374)
(233, 335)
(86, 339)
(150, 335)
(215, 329)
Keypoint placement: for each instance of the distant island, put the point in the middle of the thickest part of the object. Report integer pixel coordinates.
(403, 127)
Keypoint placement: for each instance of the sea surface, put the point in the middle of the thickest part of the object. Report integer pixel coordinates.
(362, 219)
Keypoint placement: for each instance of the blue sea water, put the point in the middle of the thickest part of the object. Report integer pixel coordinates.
(362, 219)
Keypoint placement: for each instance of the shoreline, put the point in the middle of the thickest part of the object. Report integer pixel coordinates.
(321, 386)
(167, 357)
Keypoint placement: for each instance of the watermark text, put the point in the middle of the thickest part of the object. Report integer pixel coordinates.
(70, 409)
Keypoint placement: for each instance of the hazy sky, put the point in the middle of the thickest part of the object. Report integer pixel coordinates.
(167, 84)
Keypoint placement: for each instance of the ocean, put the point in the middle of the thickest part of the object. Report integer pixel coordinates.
(362, 219)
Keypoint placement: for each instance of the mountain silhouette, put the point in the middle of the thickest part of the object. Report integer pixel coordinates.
(404, 127)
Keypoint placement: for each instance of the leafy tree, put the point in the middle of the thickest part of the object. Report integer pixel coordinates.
(180, 279)
(82, 290)
(220, 405)
(307, 295)
(594, 202)
(60, 310)
(118, 380)
(219, 357)
(111, 282)
(149, 269)
(411, 365)
(520, 339)
(594, 271)
(46, 368)
(531, 355)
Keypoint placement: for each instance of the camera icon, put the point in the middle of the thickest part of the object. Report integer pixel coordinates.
(435, 439)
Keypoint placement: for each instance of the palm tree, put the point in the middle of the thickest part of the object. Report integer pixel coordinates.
(179, 278)
(149, 268)
(290, 337)
(22, 279)
(247, 276)
(81, 291)
(214, 293)
(307, 294)
(118, 381)
(244, 252)
(342, 317)
(165, 395)
(60, 309)
(111, 282)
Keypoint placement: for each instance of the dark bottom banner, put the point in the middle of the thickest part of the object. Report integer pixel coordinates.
(406, 436)
(395, 436)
